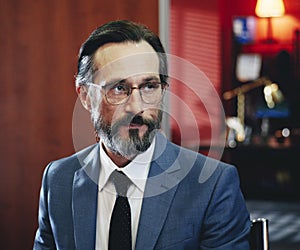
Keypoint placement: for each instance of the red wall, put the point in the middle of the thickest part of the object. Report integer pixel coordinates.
(195, 37)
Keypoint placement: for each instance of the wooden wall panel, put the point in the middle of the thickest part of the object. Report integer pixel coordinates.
(39, 45)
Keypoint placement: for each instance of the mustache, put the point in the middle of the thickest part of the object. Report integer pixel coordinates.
(137, 120)
(133, 119)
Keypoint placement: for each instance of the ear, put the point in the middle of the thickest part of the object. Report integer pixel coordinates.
(84, 97)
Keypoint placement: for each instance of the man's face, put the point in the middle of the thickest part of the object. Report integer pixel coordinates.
(127, 128)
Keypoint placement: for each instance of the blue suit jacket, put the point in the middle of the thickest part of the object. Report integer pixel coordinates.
(191, 202)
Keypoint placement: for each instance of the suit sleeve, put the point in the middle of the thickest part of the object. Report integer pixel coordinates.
(227, 222)
(44, 236)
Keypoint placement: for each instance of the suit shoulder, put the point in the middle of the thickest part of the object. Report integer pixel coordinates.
(201, 162)
(186, 153)
(68, 164)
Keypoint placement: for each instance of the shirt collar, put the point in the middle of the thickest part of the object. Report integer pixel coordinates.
(137, 170)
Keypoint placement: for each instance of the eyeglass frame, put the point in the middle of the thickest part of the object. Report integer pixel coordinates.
(164, 85)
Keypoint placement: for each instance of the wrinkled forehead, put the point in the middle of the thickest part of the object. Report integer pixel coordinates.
(117, 61)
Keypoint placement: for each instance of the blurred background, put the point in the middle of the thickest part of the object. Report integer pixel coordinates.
(250, 55)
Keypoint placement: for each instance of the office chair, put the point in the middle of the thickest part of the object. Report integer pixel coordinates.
(259, 234)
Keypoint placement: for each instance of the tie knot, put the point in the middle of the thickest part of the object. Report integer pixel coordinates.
(121, 182)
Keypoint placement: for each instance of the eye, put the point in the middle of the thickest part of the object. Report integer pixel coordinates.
(119, 89)
(150, 86)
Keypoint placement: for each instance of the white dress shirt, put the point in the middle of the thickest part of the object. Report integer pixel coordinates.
(137, 171)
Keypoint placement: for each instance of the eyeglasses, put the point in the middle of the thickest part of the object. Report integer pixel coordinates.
(151, 92)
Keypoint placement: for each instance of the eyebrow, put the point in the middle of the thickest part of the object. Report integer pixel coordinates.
(146, 79)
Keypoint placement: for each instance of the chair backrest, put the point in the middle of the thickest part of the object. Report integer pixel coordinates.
(259, 235)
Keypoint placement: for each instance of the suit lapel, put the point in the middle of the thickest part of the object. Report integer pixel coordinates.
(160, 189)
(85, 190)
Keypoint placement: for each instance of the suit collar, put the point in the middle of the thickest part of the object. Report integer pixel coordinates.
(85, 197)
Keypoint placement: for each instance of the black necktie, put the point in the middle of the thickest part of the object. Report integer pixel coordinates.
(120, 222)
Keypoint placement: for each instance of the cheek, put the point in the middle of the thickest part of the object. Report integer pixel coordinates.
(110, 113)
(151, 113)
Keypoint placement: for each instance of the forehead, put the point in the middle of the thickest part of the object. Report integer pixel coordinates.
(124, 60)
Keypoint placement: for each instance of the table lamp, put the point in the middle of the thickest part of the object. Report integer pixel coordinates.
(269, 9)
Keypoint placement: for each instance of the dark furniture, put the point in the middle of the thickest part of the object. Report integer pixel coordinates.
(267, 173)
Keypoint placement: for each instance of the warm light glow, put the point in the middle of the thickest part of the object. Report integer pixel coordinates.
(269, 8)
(272, 95)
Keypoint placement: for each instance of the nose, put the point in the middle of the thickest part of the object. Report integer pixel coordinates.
(135, 103)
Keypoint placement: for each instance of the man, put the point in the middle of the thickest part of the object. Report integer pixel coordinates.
(121, 81)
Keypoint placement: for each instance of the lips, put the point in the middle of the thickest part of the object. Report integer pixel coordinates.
(135, 126)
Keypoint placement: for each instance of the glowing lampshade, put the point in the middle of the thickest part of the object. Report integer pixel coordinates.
(269, 8)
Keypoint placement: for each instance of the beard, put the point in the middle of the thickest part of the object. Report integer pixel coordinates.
(134, 144)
